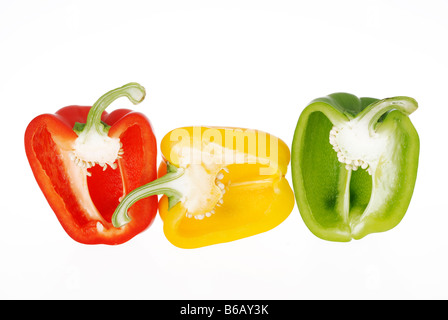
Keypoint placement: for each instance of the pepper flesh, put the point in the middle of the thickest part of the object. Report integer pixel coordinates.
(354, 164)
(84, 194)
(216, 193)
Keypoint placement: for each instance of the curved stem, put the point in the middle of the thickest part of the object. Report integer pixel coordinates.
(373, 112)
(164, 185)
(133, 91)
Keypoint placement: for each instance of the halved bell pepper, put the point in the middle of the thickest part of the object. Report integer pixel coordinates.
(219, 185)
(85, 160)
(354, 164)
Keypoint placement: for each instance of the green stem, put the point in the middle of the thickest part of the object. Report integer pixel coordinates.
(372, 113)
(164, 185)
(133, 91)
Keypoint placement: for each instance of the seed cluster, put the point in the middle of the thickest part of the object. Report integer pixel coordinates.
(87, 164)
(222, 187)
(350, 164)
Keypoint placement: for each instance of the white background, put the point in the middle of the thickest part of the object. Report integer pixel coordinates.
(253, 64)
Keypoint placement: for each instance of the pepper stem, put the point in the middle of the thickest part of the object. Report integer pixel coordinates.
(167, 185)
(133, 91)
(376, 110)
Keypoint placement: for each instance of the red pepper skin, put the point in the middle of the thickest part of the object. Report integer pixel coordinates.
(85, 209)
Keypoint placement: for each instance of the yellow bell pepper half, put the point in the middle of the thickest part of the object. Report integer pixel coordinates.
(219, 185)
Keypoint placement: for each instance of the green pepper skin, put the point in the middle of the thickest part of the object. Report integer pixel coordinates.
(339, 204)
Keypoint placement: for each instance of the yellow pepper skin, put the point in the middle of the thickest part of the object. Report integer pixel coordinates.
(231, 185)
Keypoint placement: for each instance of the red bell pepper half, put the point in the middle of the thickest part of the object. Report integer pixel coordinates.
(86, 160)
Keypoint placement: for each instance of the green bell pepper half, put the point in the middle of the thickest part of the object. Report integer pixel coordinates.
(354, 164)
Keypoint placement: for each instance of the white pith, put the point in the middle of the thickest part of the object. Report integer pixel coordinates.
(92, 148)
(357, 147)
(198, 199)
